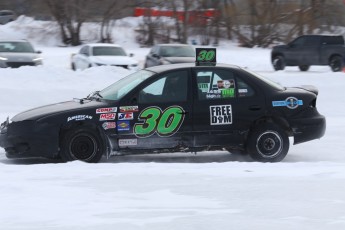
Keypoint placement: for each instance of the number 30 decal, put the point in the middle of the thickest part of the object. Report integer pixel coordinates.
(165, 123)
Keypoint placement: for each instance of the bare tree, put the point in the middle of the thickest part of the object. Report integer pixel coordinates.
(70, 15)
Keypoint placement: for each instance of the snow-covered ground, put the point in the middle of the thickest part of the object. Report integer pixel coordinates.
(212, 190)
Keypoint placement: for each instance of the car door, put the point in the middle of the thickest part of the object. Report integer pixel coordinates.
(225, 106)
(294, 51)
(158, 115)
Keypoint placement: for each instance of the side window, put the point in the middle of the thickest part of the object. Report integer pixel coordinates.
(221, 84)
(312, 41)
(243, 89)
(171, 87)
(215, 84)
(298, 42)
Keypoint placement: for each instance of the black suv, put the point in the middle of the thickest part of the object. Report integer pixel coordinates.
(309, 50)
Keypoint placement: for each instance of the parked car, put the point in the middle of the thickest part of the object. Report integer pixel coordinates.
(100, 54)
(7, 16)
(164, 54)
(171, 108)
(309, 50)
(17, 53)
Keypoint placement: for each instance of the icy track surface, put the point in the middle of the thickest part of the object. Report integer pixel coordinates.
(212, 190)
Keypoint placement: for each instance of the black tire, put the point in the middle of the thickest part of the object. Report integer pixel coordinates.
(268, 143)
(336, 63)
(278, 63)
(82, 144)
(304, 67)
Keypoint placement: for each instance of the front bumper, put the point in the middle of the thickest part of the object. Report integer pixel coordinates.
(29, 139)
(307, 129)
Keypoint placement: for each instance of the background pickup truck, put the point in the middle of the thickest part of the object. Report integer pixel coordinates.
(310, 50)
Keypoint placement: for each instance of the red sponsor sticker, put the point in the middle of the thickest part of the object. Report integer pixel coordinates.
(109, 125)
(106, 110)
(107, 116)
(133, 108)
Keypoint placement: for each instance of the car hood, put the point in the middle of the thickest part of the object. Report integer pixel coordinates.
(113, 60)
(175, 60)
(279, 47)
(19, 57)
(63, 107)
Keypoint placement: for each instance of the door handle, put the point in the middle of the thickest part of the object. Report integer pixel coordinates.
(254, 108)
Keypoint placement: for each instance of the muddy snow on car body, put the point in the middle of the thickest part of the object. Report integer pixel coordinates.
(209, 190)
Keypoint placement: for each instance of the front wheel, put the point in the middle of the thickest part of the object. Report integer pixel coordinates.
(278, 63)
(336, 63)
(268, 143)
(82, 144)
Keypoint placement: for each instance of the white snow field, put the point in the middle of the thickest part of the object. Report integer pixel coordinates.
(207, 191)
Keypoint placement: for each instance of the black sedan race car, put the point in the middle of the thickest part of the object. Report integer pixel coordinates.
(171, 108)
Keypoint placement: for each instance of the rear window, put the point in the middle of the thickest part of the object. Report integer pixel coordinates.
(333, 40)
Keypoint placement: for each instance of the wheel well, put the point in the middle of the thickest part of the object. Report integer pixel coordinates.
(281, 122)
(66, 128)
(275, 55)
(332, 56)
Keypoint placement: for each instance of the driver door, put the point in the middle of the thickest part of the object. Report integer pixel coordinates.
(158, 116)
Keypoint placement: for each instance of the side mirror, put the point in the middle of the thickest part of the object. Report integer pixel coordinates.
(155, 56)
(38, 51)
(131, 55)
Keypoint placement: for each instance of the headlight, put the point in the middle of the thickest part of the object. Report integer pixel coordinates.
(37, 59)
(99, 64)
(4, 125)
(3, 59)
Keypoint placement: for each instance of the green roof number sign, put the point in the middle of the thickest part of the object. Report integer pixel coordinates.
(206, 56)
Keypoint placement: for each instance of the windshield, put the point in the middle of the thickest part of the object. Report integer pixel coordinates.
(177, 51)
(120, 88)
(268, 81)
(108, 51)
(16, 47)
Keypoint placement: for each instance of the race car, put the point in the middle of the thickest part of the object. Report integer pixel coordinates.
(171, 108)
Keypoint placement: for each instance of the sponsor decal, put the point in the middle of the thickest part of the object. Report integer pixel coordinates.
(79, 118)
(154, 120)
(228, 93)
(290, 102)
(123, 126)
(133, 108)
(213, 96)
(106, 110)
(109, 125)
(125, 116)
(242, 90)
(107, 116)
(128, 142)
(226, 84)
(221, 115)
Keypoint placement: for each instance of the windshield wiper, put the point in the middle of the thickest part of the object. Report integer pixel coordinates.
(94, 94)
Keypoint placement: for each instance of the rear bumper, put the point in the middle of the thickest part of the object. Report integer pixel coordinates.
(307, 129)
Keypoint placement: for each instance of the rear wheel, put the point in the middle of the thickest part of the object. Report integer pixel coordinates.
(336, 63)
(82, 144)
(268, 143)
(304, 67)
(278, 63)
